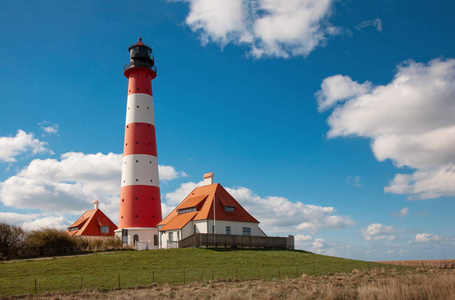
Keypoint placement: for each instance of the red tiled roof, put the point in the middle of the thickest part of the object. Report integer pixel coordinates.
(193, 202)
(90, 224)
(179, 221)
(209, 193)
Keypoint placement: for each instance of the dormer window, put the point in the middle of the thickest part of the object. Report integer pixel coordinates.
(186, 210)
(73, 228)
(229, 208)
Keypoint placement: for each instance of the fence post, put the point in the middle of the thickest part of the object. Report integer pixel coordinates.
(314, 270)
(184, 276)
(35, 285)
(236, 272)
(258, 274)
(279, 273)
(118, 280)
(153, 276)
(81, 282)
(212, 274)
(296, 271)
(329, 268)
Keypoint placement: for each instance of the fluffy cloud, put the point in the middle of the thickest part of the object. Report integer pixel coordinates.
(401, 213)
(376, 23)
(267, 27)
(409, 120)
(278, 215)
(34, 221)
(376, 231)
(48, 128)
(427, 237)
(339, 88)
(168, 173)
(13, 146)
(69, 185)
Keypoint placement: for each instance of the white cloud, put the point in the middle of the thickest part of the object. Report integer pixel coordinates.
(70, 185)
(278, 215)
(401, 213)
(409, 121)
(427, 237)
(424, 184)
(59, 223)
(169, 173)
(337, 89)
(354, 180)
(48, 128)
(376, 231)
(34, 221)
(376, 23)
(12, 147)
(267, 27)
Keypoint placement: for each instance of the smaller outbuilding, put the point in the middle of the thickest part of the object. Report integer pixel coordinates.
(93, 224)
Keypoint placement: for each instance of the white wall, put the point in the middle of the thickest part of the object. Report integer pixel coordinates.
(201, 227)
(236, 227)
(144, 235)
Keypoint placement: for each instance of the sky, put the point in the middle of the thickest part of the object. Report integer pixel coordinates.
(333, 121)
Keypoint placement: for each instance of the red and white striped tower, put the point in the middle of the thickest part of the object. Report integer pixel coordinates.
(140, 203)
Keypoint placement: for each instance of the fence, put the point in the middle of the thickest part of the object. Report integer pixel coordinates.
(239, 241)
(51, 283)
(138, 246)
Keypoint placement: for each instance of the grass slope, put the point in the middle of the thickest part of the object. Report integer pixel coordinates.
(133, 268)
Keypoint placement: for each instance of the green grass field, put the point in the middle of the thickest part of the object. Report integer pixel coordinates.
(126, 269)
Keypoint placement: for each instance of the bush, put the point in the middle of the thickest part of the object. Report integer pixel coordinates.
(11, 239)
(16, 243)
(50, 242)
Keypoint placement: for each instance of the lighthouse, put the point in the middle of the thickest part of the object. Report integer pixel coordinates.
(140, 203)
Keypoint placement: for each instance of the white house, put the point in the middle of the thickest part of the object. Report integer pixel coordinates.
(207, 209)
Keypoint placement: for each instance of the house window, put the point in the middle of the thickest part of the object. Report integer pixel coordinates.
(171, 236)
(186, 210)
(194, 228)
(73, 228)
(213, 228)
(229, 208)
(104, 229)
(246, 231)
(228, 230)
(155, 240)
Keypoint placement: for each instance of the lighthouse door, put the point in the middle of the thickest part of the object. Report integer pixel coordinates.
(125, 236)
(135, 239)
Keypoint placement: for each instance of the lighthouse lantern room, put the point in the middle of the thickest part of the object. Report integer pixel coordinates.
(140, 203)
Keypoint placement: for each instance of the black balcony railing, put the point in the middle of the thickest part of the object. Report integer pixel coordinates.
(139, 64)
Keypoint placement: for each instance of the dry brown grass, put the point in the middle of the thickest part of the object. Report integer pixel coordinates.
(379, 284)
(441, 264)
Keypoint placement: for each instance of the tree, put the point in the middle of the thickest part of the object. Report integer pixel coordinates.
(11, 239)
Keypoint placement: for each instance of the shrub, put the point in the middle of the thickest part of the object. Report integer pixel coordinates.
(49, 242)
(11, 239)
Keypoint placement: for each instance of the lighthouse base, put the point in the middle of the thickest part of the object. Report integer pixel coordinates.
(139, 235)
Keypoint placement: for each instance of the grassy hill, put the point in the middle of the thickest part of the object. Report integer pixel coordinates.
(124, 269)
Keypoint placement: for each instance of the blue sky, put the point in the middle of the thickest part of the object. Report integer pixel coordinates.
(333, 121)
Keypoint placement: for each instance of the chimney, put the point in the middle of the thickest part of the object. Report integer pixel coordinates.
(95, 203)
(208, 178)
